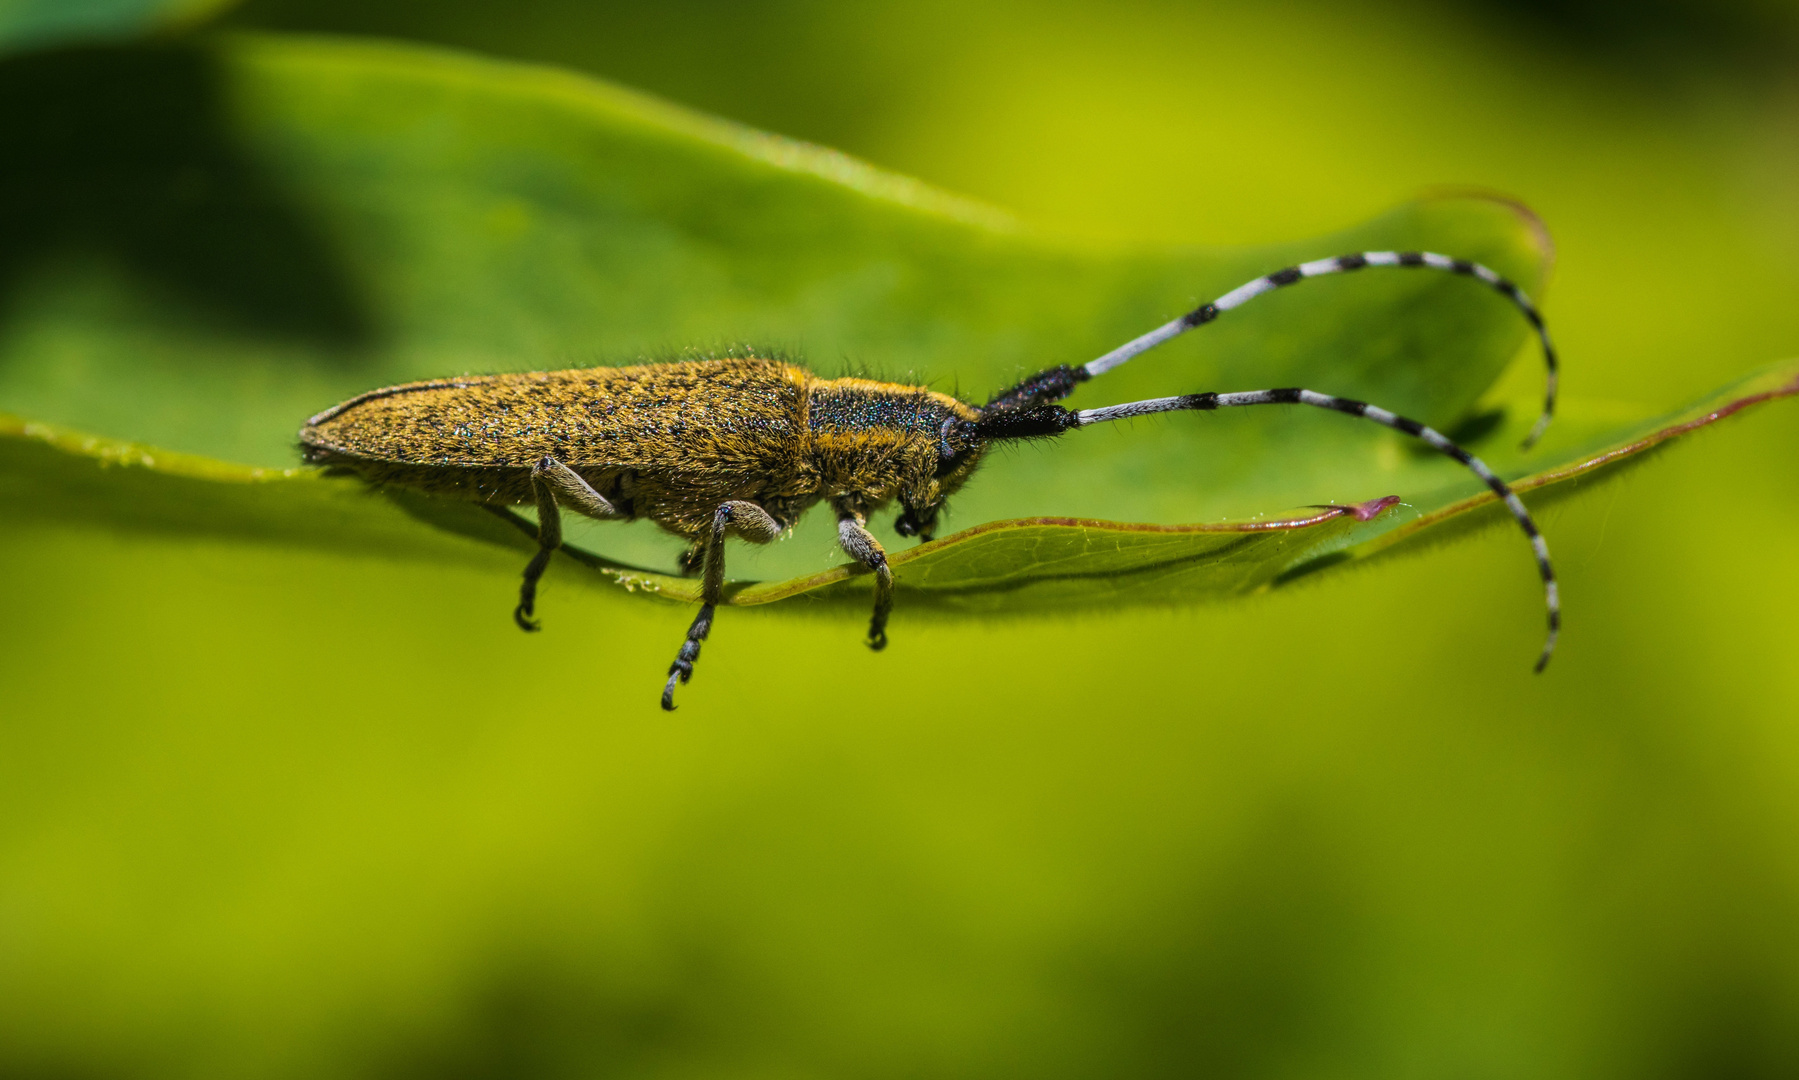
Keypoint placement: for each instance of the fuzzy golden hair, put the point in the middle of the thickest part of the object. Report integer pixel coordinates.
(671, 442)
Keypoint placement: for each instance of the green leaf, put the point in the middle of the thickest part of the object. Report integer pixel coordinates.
(278, 224)
(29, 24)
(321, 217)
(285, 223)
(54, 475)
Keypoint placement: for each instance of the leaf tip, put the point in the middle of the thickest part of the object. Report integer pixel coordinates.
(1364, 511)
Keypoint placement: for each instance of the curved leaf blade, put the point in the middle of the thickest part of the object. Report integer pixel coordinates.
(1044, 563)
(383, 213)
(1016, 565)
(497, 216)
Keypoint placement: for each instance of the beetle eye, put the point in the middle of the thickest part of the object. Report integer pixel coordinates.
(948, 456)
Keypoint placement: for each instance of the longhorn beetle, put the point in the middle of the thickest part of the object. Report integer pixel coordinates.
(743, 446)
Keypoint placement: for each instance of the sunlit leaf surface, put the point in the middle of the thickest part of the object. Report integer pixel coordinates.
(289, 244)
(494, 217)
(54, 474)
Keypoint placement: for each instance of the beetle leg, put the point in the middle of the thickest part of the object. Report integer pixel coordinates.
(751, 522)
(693, 559)
(549, 538)
(854, 537)
(575, 491)
(550, 478)
(747, 520)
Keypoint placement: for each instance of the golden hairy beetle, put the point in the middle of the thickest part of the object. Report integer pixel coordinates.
(742, 447)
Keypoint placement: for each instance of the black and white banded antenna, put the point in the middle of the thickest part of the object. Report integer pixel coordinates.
(1049, 420)
(1242, 294)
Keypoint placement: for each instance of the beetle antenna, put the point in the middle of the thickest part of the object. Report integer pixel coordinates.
(1054, 420)
(1242, 294)
(1058, 383)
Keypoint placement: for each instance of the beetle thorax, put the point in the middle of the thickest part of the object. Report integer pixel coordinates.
(880, 441)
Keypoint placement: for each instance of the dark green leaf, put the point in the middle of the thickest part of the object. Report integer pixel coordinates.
(28, 24)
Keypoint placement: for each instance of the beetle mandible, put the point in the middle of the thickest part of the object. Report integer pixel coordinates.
(743, 447)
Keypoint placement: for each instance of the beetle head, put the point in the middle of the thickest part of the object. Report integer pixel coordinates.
(959, 450)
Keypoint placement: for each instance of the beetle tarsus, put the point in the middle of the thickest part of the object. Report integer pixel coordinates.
(682, 669)
(858, 543)
(527, 590)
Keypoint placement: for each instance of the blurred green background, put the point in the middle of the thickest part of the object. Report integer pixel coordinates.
(282, 812)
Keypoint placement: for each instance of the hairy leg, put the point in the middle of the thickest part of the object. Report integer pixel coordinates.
(860, 544)
(574, 492)
(551, 478)
(747, 520)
